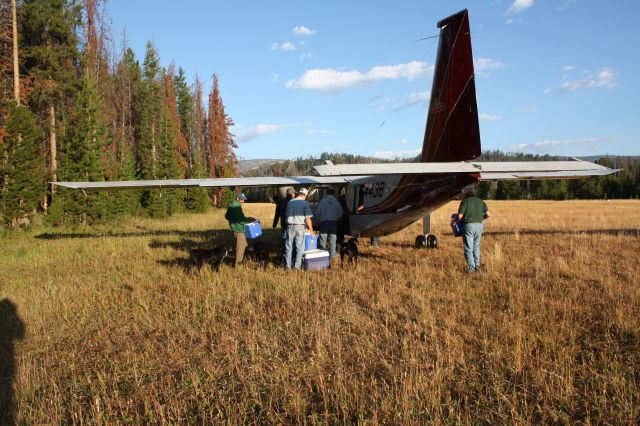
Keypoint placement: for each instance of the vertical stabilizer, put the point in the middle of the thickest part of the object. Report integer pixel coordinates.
(452, 132)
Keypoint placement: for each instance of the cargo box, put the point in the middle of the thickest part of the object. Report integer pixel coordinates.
(315, 260)
(456, 227)
(310, 243)
(252, 230)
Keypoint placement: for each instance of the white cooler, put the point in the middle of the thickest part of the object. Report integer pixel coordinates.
(315, 260)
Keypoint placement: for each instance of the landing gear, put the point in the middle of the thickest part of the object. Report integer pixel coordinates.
(375, 241)
(426, 241)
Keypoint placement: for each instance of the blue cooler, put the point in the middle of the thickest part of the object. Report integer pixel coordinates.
(252, 230)
(315, 260)
(310, 243)
(456, 227)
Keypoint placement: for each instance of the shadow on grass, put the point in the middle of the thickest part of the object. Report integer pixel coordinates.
(11, 329)
(215, 239)
(126, 234)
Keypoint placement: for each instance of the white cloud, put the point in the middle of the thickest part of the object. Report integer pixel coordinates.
(264, 129)
(519, 6)
(393, 155)
(568, 68)
(482, 66)
(287, 45)
(302, 30)
(605, 77)
(487, 64)
(547, 146)
(305, 56)
(329, 79)
(414, 99)
(275, 78)
(378, 103)
(489, 117)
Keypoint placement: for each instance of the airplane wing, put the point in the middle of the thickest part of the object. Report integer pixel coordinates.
(508, 170)
(207, 183)
(336, 174)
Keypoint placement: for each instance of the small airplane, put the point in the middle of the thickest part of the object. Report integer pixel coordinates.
(381, 199)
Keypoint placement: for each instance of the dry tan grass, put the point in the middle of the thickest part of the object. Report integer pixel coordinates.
(119, 328)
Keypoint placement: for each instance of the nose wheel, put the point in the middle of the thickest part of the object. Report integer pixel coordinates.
(426, 241)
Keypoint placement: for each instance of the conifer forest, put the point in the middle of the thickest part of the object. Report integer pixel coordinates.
(84, 107)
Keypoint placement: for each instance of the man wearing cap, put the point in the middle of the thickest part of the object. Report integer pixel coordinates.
(298, 219)
(237, 219)
(471, 213)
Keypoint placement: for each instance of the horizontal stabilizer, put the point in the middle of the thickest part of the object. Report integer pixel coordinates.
(567, 174)
(508, 169)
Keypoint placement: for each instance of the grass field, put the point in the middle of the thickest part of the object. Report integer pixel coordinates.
(115, 326)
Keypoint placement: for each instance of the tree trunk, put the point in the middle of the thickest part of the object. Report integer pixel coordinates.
(16, 74)
(52, 147)
(153, 150)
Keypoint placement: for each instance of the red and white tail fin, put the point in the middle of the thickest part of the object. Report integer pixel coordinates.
(452, 132)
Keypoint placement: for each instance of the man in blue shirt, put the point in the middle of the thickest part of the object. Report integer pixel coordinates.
(298, 219)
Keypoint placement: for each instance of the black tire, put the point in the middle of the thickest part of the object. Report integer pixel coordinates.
(421, 241)
(432, 242)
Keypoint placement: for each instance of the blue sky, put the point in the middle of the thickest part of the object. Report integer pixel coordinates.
(301, 77)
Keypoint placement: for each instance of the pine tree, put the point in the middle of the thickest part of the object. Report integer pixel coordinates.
(195, 199)
(149, 111)
(127, 80)
(80, 160)
(220, 143)
(21, 167)
(125, 202)
(199, 130)
(508, 190)
(49, 47)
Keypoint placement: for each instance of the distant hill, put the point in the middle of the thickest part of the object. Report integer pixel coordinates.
(246, 165)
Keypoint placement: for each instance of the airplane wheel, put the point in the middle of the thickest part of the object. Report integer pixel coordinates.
(432, 241)
(421, 241)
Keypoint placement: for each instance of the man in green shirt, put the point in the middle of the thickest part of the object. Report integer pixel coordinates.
(471, 213)
(237, 219)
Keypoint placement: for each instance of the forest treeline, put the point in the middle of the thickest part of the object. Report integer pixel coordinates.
(302, 165)
(86, 110)
(624, 184)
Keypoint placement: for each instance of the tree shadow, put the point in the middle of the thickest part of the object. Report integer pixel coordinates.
(11, 329)
(126, 234)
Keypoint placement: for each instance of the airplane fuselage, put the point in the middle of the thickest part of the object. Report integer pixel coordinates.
(381, 205)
